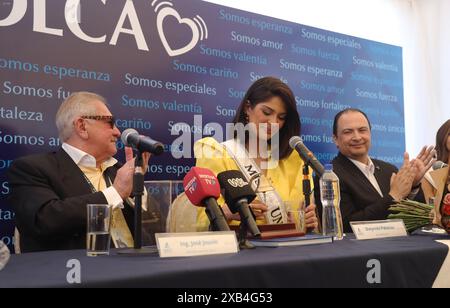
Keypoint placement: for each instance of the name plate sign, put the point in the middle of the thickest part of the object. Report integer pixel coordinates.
(196, 244)
(369, 230)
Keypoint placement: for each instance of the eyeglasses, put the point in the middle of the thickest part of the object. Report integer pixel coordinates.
(107, 119)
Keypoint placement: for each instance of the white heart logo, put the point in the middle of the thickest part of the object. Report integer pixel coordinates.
(186, 21)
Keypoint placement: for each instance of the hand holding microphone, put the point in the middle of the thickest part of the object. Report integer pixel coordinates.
(123, 182)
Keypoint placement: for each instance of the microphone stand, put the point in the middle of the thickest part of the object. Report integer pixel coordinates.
(243, 231)
(138, 193)
(243, 241)
(306, 185)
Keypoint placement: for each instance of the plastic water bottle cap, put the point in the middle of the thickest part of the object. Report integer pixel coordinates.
(328, 167)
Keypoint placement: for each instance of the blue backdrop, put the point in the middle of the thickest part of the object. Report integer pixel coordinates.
(159, 63)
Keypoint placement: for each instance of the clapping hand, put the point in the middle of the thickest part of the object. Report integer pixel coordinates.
(423, 163)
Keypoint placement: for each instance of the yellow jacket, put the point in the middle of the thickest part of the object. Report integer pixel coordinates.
(286, 178)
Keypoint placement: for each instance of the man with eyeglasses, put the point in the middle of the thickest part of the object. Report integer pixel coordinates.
(49, 192)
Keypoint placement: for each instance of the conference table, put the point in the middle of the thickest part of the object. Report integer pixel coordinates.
(415, 261)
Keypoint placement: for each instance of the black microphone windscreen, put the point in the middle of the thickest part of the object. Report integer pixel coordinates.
(236, 188)
(126, 134)
(294, 141)
(306, 155)
(131, 138)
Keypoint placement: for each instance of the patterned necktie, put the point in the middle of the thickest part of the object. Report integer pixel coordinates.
(120, 233)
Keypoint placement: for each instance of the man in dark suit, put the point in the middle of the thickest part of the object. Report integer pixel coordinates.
(49, 192)
(369, 186)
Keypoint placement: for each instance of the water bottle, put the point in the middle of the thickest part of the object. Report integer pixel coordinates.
(330, 194)
(4, 255)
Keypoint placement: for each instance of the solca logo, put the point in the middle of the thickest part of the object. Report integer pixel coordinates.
(237, 182)
(197, 26)
(73, 17)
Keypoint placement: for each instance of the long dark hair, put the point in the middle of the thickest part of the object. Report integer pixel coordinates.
(263, 90)
(441, 142)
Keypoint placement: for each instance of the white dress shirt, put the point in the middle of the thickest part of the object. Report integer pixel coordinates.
(369, 172)
(82, 159)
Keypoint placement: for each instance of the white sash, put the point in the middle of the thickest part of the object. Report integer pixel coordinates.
(258, 181)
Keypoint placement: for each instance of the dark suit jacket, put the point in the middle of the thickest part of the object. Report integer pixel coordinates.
(360, 201)
(49, 195)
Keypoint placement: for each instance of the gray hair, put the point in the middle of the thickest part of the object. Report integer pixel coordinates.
(76, 105)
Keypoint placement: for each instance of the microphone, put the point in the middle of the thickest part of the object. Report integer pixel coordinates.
(131, 138)
(202, 189)
(306, 155)
(439, 165)
(238, 194)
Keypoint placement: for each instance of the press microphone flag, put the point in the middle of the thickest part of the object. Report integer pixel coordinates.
(131, 138)
(306, 155)
(238, 194)
(202, 189)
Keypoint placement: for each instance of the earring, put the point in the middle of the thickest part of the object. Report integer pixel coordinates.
(246, 119)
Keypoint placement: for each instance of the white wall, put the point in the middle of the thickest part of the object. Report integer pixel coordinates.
(421, 27)
(433, 87)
